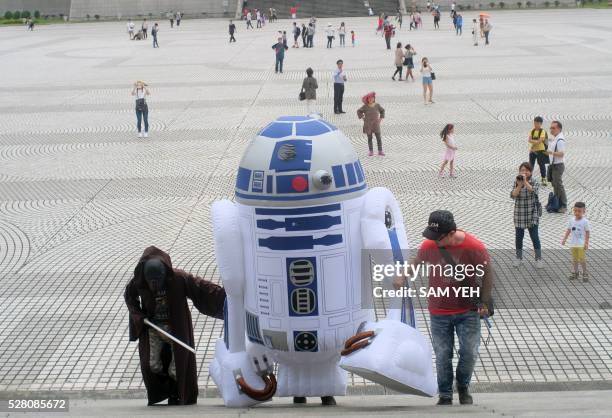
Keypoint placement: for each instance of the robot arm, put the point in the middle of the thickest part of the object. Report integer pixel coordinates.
(384, 237)
(242, 379)
(228, 251)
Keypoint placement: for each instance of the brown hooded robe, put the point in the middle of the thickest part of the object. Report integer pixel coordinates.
(207, 297)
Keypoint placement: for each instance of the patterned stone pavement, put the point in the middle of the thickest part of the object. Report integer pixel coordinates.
(81, 195)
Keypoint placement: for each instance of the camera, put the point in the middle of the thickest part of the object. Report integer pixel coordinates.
(519, 178)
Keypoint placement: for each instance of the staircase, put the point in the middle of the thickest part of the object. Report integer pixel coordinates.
(324, 8)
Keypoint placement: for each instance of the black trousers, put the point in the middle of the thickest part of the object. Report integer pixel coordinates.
(338, 96)
(378, 142)
(540, 157)
(398, 70)
(388, 40)
(232, 39)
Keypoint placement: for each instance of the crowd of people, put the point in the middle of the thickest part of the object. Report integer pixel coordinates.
(546, 149)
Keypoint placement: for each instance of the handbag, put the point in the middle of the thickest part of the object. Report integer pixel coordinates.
(302, 95)
(477, 301)
(553, 204)
(433, 75)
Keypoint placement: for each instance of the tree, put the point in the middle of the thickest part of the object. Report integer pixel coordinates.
(546, 3)
(492, 5)
(501, 4)
(25, 14)
(8, 15)
(528, 4)
(557, 3)
(17, 15)
(36, 14)
(519, 4)
(97, 17)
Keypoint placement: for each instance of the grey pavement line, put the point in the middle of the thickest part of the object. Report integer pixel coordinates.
(216, 167)
(353, 390)
(288, 80)
(76, 212)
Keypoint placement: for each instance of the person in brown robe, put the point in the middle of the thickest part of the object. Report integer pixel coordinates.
(372, 113)
(159, 292)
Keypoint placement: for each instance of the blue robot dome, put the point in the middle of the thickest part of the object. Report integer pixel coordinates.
(299, 160)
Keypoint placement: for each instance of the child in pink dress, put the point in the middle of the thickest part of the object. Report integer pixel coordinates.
(448, 137)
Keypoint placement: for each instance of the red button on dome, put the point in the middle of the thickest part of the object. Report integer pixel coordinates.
(299, 184)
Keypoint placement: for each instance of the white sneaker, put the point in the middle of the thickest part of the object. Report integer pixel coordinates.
(517, 262)
(539, 264)
(139, 134)
(146, 134)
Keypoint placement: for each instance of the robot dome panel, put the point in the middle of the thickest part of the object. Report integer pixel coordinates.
(299, 161)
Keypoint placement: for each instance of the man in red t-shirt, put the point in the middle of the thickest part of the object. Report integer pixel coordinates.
(293, 12)
(456, 263)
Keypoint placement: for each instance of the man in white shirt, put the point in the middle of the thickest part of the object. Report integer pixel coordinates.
(130, 29)
(339, 78)
(556, 152)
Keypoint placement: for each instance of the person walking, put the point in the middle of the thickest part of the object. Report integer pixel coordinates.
(436, 17)
(527, 212)
(311, 32)
(372, 114)
(452, 309)
(232, 31)
(179, 16)
(579, 232)
(249, 17)
(296, 35)
(145, 28)
(304, 32)
(538, 139)
(459, 25)
(388, 30)
(293, 12)
(342, 34)
(258, 18)
(329, 32)
(399, 61)
(309, 88)
(170, 16)
(381, 21)
(339, 77)
(130, 29)
(279, 53)
(409, 61)
(353, 38)
(154, 32)
(399, 17)
(475, 29)
(557, 163)
(448, 137)
(487, 30)
(427, 73)
(140, 92)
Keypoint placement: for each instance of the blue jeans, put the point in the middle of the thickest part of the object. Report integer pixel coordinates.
(140, 115)
(278, 66)
(443, 328)
(535, 239)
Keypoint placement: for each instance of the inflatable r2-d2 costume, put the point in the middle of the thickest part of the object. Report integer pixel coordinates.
(289, 254)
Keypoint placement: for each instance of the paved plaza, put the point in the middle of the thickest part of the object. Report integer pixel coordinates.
(81, 196)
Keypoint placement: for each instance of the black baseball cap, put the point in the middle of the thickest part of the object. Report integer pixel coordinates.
(441, 222)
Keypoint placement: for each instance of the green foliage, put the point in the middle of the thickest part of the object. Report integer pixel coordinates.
(492, 5)
(17, 15)
(25, 14)
(502, 4)
(519, 4)
(557, 3)
(36, 14)
(97, 17)
(528, 4)
(8, 15)
(546, 3)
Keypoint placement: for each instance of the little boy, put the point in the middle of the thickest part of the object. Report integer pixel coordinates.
(579, 231)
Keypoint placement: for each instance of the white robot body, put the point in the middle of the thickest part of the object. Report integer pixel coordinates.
(289, 252)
